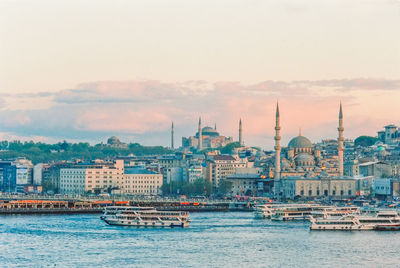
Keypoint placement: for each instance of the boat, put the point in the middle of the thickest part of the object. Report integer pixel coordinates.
(267, 211)
(293, 213)
(388, 227)
(113, 210)
(333, 211)
(147, 217)
(356, 222)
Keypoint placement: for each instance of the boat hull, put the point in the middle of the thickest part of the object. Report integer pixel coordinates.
(388, 227)
(342, 228)
(146, 224)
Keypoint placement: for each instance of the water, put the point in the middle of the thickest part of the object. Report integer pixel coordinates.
(213, 240)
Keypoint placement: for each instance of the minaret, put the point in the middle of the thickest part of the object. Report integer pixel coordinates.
(277, 145)
(240, 133)
(340, 141)
(172, 135)
(200, 144)
(215, 126)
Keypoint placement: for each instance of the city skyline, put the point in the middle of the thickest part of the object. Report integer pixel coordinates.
(94, 76)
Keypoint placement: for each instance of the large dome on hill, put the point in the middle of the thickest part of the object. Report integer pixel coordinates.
(300, 142)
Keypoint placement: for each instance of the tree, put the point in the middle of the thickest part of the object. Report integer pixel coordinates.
(224, 186)
(365, 141)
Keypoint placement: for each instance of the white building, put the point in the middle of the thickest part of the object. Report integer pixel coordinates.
(91, 178)
(37, 174)
(141, 182)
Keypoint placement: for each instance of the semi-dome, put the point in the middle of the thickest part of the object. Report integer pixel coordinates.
(300, 142)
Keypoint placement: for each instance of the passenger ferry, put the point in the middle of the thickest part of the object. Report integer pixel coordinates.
(294, 213)
(148, 217)
(113, 210)
(267, 211)
(333, 211)
(382, 220)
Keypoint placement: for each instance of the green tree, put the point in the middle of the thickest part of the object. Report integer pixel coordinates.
(365, 141)
(224, 186)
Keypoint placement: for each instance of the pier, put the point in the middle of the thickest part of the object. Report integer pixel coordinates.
(37, 204)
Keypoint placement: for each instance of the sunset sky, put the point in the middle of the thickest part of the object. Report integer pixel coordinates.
(85, 70)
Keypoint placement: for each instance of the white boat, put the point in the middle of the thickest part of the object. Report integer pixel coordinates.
(295, 213)
(113, 210)
(266, 211)
(356, 222)
(333, 211)
(148, 217)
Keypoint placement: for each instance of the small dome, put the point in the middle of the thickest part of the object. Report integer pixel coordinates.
(300, 142)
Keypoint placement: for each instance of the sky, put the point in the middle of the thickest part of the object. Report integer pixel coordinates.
(85, 70)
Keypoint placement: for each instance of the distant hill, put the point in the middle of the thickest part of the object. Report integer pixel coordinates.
(41, 152)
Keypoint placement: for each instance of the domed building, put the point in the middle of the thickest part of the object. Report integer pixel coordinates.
(302, 171)
(205, 137)
(113, 141)
(301, 157)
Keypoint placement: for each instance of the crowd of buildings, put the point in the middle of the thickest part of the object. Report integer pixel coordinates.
(335, 169)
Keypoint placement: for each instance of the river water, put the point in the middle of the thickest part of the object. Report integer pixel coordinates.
(221, 239)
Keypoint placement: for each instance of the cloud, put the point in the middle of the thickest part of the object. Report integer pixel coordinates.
(142, 111)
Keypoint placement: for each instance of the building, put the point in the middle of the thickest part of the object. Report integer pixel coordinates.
(205, 137)
(301, 156)
(317, 187)
(219, 167)
(51, 176)
(83, 178)
(390, 136)
(382, 188)
(140, 181)
(17, 175)
(116, 143)
(301, 171)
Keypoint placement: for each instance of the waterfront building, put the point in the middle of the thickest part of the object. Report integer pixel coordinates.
(94, 177)
(221, 166)
(51, 176)
(246, 181)
(317, 187)
(17, 175)
(206, 137)
(38, 174)
(141, 181)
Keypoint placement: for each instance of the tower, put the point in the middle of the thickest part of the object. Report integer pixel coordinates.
(240, 133)
(277, 144)
(172, 135)
(340, 141)
(200, 144)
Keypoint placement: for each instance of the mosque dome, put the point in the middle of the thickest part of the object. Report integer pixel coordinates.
(208, 131)
(113, 140)
(300, 142)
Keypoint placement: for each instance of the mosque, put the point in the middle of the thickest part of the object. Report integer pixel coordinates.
(208, 137)
(301, 171)
(301, 157)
